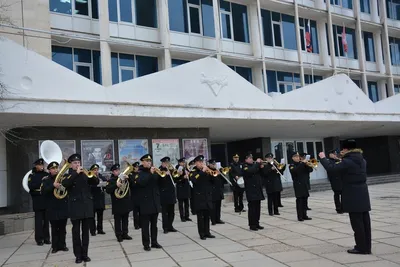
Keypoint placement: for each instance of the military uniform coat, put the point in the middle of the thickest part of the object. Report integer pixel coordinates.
(253, 182)
(182, 186)
(34, 184)
(167, 189)
(119, 205)
(99, 202)
(272, 179)
(56, 209)
(80, 199)
(353, 172)
(149, 193)
(334, 177)
(202, 189)
(134, 188)
(300, 175)
(235, 170)
(218, 188)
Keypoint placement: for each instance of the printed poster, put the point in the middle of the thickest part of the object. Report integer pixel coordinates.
(165, 148)
(131, 151)
(99, 152)
(194, 147)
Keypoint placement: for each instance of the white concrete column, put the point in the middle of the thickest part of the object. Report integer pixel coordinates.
(255, 30)
(298, 42)
(163, 19)
(217, 28)
(364, 83)
(382, 89)
(374, 10)
(379, 52)
(323, 44)
(258, 77)
(3, 173)
(390, 84)
(330, 36)
(105, 50)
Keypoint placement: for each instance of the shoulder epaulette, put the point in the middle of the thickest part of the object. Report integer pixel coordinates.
(45, 177)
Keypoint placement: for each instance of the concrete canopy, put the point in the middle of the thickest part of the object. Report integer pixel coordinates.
(203, 93)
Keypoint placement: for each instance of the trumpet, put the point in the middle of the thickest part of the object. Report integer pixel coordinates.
(89, 174)
(313, 163)
(160, 172)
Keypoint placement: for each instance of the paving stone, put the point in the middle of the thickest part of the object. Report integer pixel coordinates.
(211, 262)
(374, 264)
(291, 256)
(344, 257)
(315, 263)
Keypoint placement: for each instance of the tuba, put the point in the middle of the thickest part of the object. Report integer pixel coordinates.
(50, 151)
(61, 192)
(122, 191)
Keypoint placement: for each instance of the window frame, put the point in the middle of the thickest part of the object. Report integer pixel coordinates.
(133, 14)
(122, 68)
(230, 22)
(84, 64)
(198, 7)
(73, 9)
(280, 29)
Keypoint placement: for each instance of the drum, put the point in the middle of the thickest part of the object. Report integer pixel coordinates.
(240, 182)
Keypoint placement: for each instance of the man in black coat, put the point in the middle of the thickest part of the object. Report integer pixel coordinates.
(300, 172)
(42, 234)
(183, 190)
(121, 205)
(202, 187)
(191, 200)
(149, 199)
(99, 203)
(56, 209)
(254, 190)
(272, 183)
(336, 181)
(80, 204)
(135, 196)
(355, 196)
(234, 173)
(303, 158)
(217, 194)
(167, 197)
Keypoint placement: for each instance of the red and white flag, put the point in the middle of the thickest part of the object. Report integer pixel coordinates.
(308, 38)
(344, 40)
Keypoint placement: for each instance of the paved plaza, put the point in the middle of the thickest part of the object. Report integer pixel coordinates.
(321, 242)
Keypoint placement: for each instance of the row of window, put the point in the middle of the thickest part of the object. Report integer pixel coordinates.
(144, 12)
(126, 67)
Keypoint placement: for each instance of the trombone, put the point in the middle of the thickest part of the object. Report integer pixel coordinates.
(221, 171)
(278, 167)
(165, 173)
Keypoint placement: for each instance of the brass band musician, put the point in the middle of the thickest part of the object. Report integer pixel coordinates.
(183, 190)
(273, 184)
(135, 196)
(99, 203)
(217, 194)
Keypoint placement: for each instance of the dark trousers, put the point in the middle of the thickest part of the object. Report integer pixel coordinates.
(361, 224)
(307, 207)
(192, 203)
(168, 215)
(254, 213)
(337, 197)
(121, 222)
(148, 223)
(203, 222)
(216, 211)
(136, 216)
(273, 203)
(58, 233)
(301, 207)
(81, 246)
(184, 208)
(99, 227)
(238, 200)
(41, 226)
(279, 199)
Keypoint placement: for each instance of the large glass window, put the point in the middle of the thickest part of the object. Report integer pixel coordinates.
(365, 6)
(284, 82)
(280, 31)
(393, 9)
(234, 21)
(397, 89)
(83, 61)
(139, 12)
(351, 42)
(369, 46)
(342, 3)
(244, 72)
(192, 16)
(126, 67)
(373, 91)
(394, 44)
(177, 62)
(77, 7)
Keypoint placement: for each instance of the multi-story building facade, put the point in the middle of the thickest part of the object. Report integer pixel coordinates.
(278, 46)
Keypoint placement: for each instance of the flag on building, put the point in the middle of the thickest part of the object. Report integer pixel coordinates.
(344, 40)
(308, 38)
